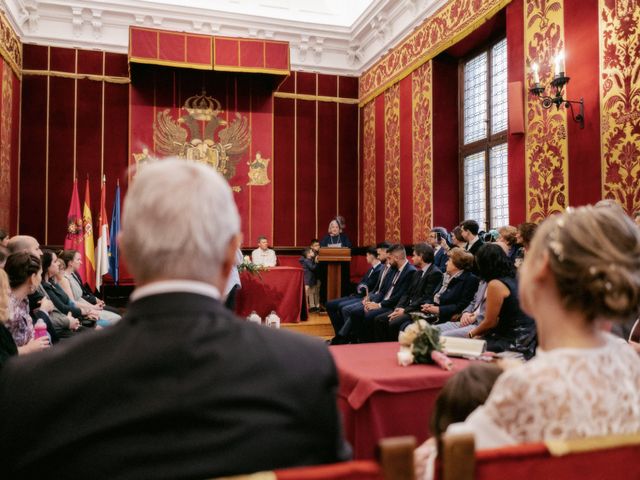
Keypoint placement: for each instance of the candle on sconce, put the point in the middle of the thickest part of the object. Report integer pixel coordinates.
(559, 65)
(536, 76)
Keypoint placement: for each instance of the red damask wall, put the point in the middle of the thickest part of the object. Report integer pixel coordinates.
(10, 86)
(554, 163)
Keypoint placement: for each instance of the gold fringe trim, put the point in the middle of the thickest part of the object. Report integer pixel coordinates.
(78, 76)
(274, 71)
(319, 98)
(435, 50)
(558, 448)
(169, 63)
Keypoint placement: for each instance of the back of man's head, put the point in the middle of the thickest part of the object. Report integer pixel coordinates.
(24, 243)
(471, 226)
(179, 221)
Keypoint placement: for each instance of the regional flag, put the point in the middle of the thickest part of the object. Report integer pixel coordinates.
(114, 253)
(74, 240)
(87, 223)
(102, 248)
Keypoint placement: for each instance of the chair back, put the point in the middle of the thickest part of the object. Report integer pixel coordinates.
(590, 458)
(395, 462)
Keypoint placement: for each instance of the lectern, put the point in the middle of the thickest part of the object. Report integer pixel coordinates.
(334, 259)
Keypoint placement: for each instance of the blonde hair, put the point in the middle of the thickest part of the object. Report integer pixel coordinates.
(508, 234)
(4, 297)
(594, 254)
(461, 258)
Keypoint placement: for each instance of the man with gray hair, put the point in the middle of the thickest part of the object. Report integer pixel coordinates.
(180, 388)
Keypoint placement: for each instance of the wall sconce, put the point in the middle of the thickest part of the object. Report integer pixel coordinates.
(557, 86)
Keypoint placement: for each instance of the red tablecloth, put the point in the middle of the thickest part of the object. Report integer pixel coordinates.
(378, 398)
(279, 289)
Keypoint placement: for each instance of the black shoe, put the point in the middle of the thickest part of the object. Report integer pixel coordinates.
(338, 340)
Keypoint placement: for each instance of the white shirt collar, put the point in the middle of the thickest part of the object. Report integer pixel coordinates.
(170, 286)
(469, 244)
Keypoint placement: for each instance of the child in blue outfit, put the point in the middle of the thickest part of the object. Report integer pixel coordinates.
(309, 266)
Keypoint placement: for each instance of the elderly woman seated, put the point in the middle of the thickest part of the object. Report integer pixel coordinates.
(457, 288)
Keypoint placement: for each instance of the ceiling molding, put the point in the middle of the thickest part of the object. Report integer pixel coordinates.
(318, 47)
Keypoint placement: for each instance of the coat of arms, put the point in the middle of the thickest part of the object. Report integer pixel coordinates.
(202, 136)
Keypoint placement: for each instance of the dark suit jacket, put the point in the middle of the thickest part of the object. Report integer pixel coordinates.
(309, 270)
(440, 259)
(458, 295)
(424, 287)
(370, 279)
(399, 289)
(476, 246)
(60, 299)
(180, 388)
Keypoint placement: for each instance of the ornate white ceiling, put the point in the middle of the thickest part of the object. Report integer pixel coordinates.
(328, 36)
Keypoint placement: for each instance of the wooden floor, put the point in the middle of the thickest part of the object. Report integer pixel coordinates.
(317, 325)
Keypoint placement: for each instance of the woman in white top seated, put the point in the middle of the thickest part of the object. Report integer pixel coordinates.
(583, 268)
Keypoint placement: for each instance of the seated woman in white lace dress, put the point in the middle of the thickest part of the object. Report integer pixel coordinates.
(583, 268)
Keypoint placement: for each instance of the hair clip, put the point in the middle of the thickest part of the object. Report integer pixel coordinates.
(557, 249)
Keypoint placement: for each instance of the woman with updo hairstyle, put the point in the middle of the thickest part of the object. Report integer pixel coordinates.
(583, 268)
(24, 271)
(508, 238)
(457, 289)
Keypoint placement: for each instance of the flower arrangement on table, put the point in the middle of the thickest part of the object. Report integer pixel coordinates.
(420, 343)
(253, 268)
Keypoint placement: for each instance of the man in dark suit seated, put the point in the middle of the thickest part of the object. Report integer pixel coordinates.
(377, 258)
(396, 284)
(386, 326)
(180, 388)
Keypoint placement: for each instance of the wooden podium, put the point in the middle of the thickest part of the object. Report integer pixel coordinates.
(334, 258)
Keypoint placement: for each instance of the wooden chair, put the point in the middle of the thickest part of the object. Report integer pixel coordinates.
(395, 462)
(590, 458)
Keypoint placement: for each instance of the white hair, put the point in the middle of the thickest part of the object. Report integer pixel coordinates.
(178, 219)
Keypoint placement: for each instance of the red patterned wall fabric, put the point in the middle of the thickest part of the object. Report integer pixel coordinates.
(546, 147)
(392, 164)
(9, 148)
(447, 26)
(620, 101)
(397, 162)
(10, 85)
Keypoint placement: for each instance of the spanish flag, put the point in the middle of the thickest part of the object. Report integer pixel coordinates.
(87, 223)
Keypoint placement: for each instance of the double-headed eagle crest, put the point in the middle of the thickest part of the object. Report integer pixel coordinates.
(193, 135)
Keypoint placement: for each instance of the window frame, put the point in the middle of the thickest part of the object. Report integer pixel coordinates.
(485, 144)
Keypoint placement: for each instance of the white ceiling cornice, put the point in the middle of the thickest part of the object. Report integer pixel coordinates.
(315, 46)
